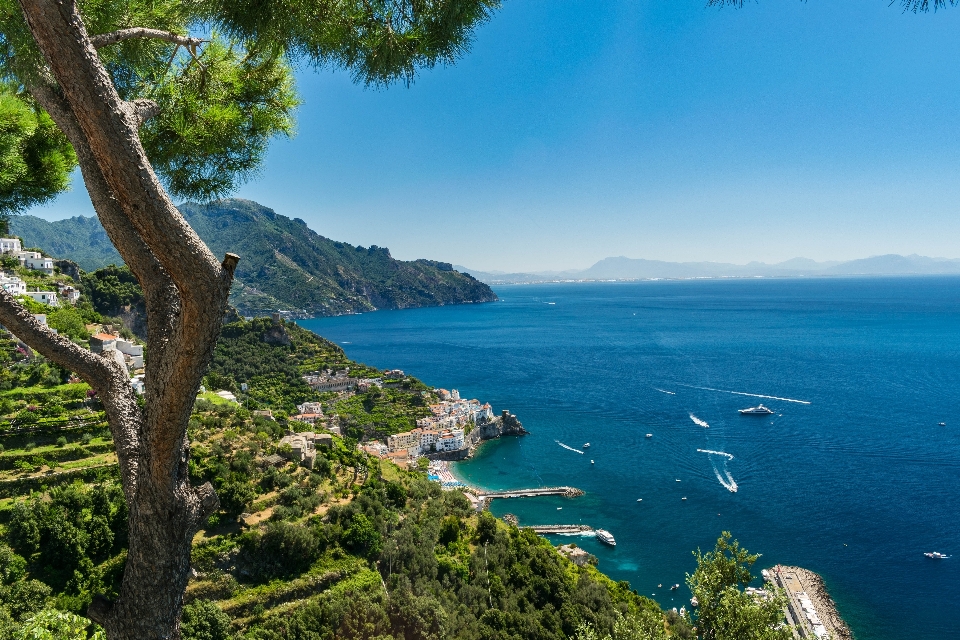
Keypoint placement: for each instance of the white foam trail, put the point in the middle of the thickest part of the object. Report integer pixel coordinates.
(568, 447)
(741, 393)
(664, 391)
(728, 482)
(700, 422)
(717, 453)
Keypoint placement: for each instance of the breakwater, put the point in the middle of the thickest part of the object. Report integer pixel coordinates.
(560, 529)
(566, 492)
(810, 609)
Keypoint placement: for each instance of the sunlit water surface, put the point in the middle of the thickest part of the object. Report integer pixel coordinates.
(852, 476)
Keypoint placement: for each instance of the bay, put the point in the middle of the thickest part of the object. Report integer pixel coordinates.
(851, 477)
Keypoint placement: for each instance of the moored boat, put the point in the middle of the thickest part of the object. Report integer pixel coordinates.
(606, 537)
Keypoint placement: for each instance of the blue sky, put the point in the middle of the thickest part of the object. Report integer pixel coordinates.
(576, 130)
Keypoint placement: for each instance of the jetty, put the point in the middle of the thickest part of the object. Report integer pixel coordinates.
(566, 492)
(560, 529)
(810, 611)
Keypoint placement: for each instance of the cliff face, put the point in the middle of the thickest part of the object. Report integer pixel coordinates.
(284, 265)
(504, 425)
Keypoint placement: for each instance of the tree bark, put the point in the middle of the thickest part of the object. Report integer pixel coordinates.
(186, 290)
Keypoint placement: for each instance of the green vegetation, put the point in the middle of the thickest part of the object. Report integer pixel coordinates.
(284, 264)
(354, 547)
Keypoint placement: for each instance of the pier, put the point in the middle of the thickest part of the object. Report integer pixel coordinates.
(566, 492)
(560, 529)
(810, 609)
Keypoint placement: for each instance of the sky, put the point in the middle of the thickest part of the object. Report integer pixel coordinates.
(575, 130)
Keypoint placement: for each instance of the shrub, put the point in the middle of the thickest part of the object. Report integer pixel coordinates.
(204, 620)
(86, 438)
(30, 446)
(61, 441)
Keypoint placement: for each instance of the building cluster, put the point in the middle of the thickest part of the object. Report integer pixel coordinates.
(443, 431)
(35, 261)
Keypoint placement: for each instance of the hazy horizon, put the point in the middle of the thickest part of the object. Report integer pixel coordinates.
(576, 131)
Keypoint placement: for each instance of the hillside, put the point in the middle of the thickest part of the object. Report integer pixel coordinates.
(284, 264)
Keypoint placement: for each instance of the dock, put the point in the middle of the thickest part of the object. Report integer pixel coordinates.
(566, 492)
(811, 611)
(560, 529)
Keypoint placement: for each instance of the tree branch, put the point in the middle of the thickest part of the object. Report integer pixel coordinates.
(107, 377)
(106, 39)
(142, 109)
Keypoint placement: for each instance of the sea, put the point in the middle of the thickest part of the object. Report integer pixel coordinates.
(854, 476)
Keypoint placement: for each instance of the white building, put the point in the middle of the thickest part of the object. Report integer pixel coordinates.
(310, 407)
(45, 297)
(36, 261)
(134, 351)
(450, 440)
(68, 293)
(10, 245)
(13, 285)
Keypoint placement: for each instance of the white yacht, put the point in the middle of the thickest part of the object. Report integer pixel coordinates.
(936, 555)
(606, 537)
(758, 410)
(586, 445)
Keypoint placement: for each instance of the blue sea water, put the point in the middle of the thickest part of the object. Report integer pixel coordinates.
(855, 484)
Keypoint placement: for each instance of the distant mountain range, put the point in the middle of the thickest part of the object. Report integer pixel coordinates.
(622, 268)
(283, 264)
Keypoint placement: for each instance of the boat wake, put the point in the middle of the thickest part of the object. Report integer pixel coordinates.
(728, 482)
(741, 393)
(671, 393)
(698, 421)
(728, 456)
(568, 447)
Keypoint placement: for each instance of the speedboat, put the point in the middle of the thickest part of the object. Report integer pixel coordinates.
(674, 587)
(606, 537)
(586, 445)
(941, 424)
(592, 462)
(758, 410)
(684, 498)
(936, 555)
(649, 435)
(639, 499)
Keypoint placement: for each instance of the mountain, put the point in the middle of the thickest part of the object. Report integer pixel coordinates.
(284, 265)
(621, 268)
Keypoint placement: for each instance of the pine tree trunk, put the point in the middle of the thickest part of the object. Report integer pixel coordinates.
(186, 290)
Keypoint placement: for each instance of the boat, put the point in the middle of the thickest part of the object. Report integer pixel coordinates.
(649, 435)
(758, 410)
(684, 498)
(639, 499)
(941, 424)
(936, 555)
(694, 602)
(674, 587)
(592, 462)
(606, 537)
(586, 445)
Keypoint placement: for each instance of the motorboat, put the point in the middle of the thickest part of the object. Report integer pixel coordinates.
(649, 435)
(936, 555)
(941, 424)
(674, 587)
(639, 499)
(592, 462)
(694, 602)
(684, 498)
(758, 410)
(606, 537)
(586, 445)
